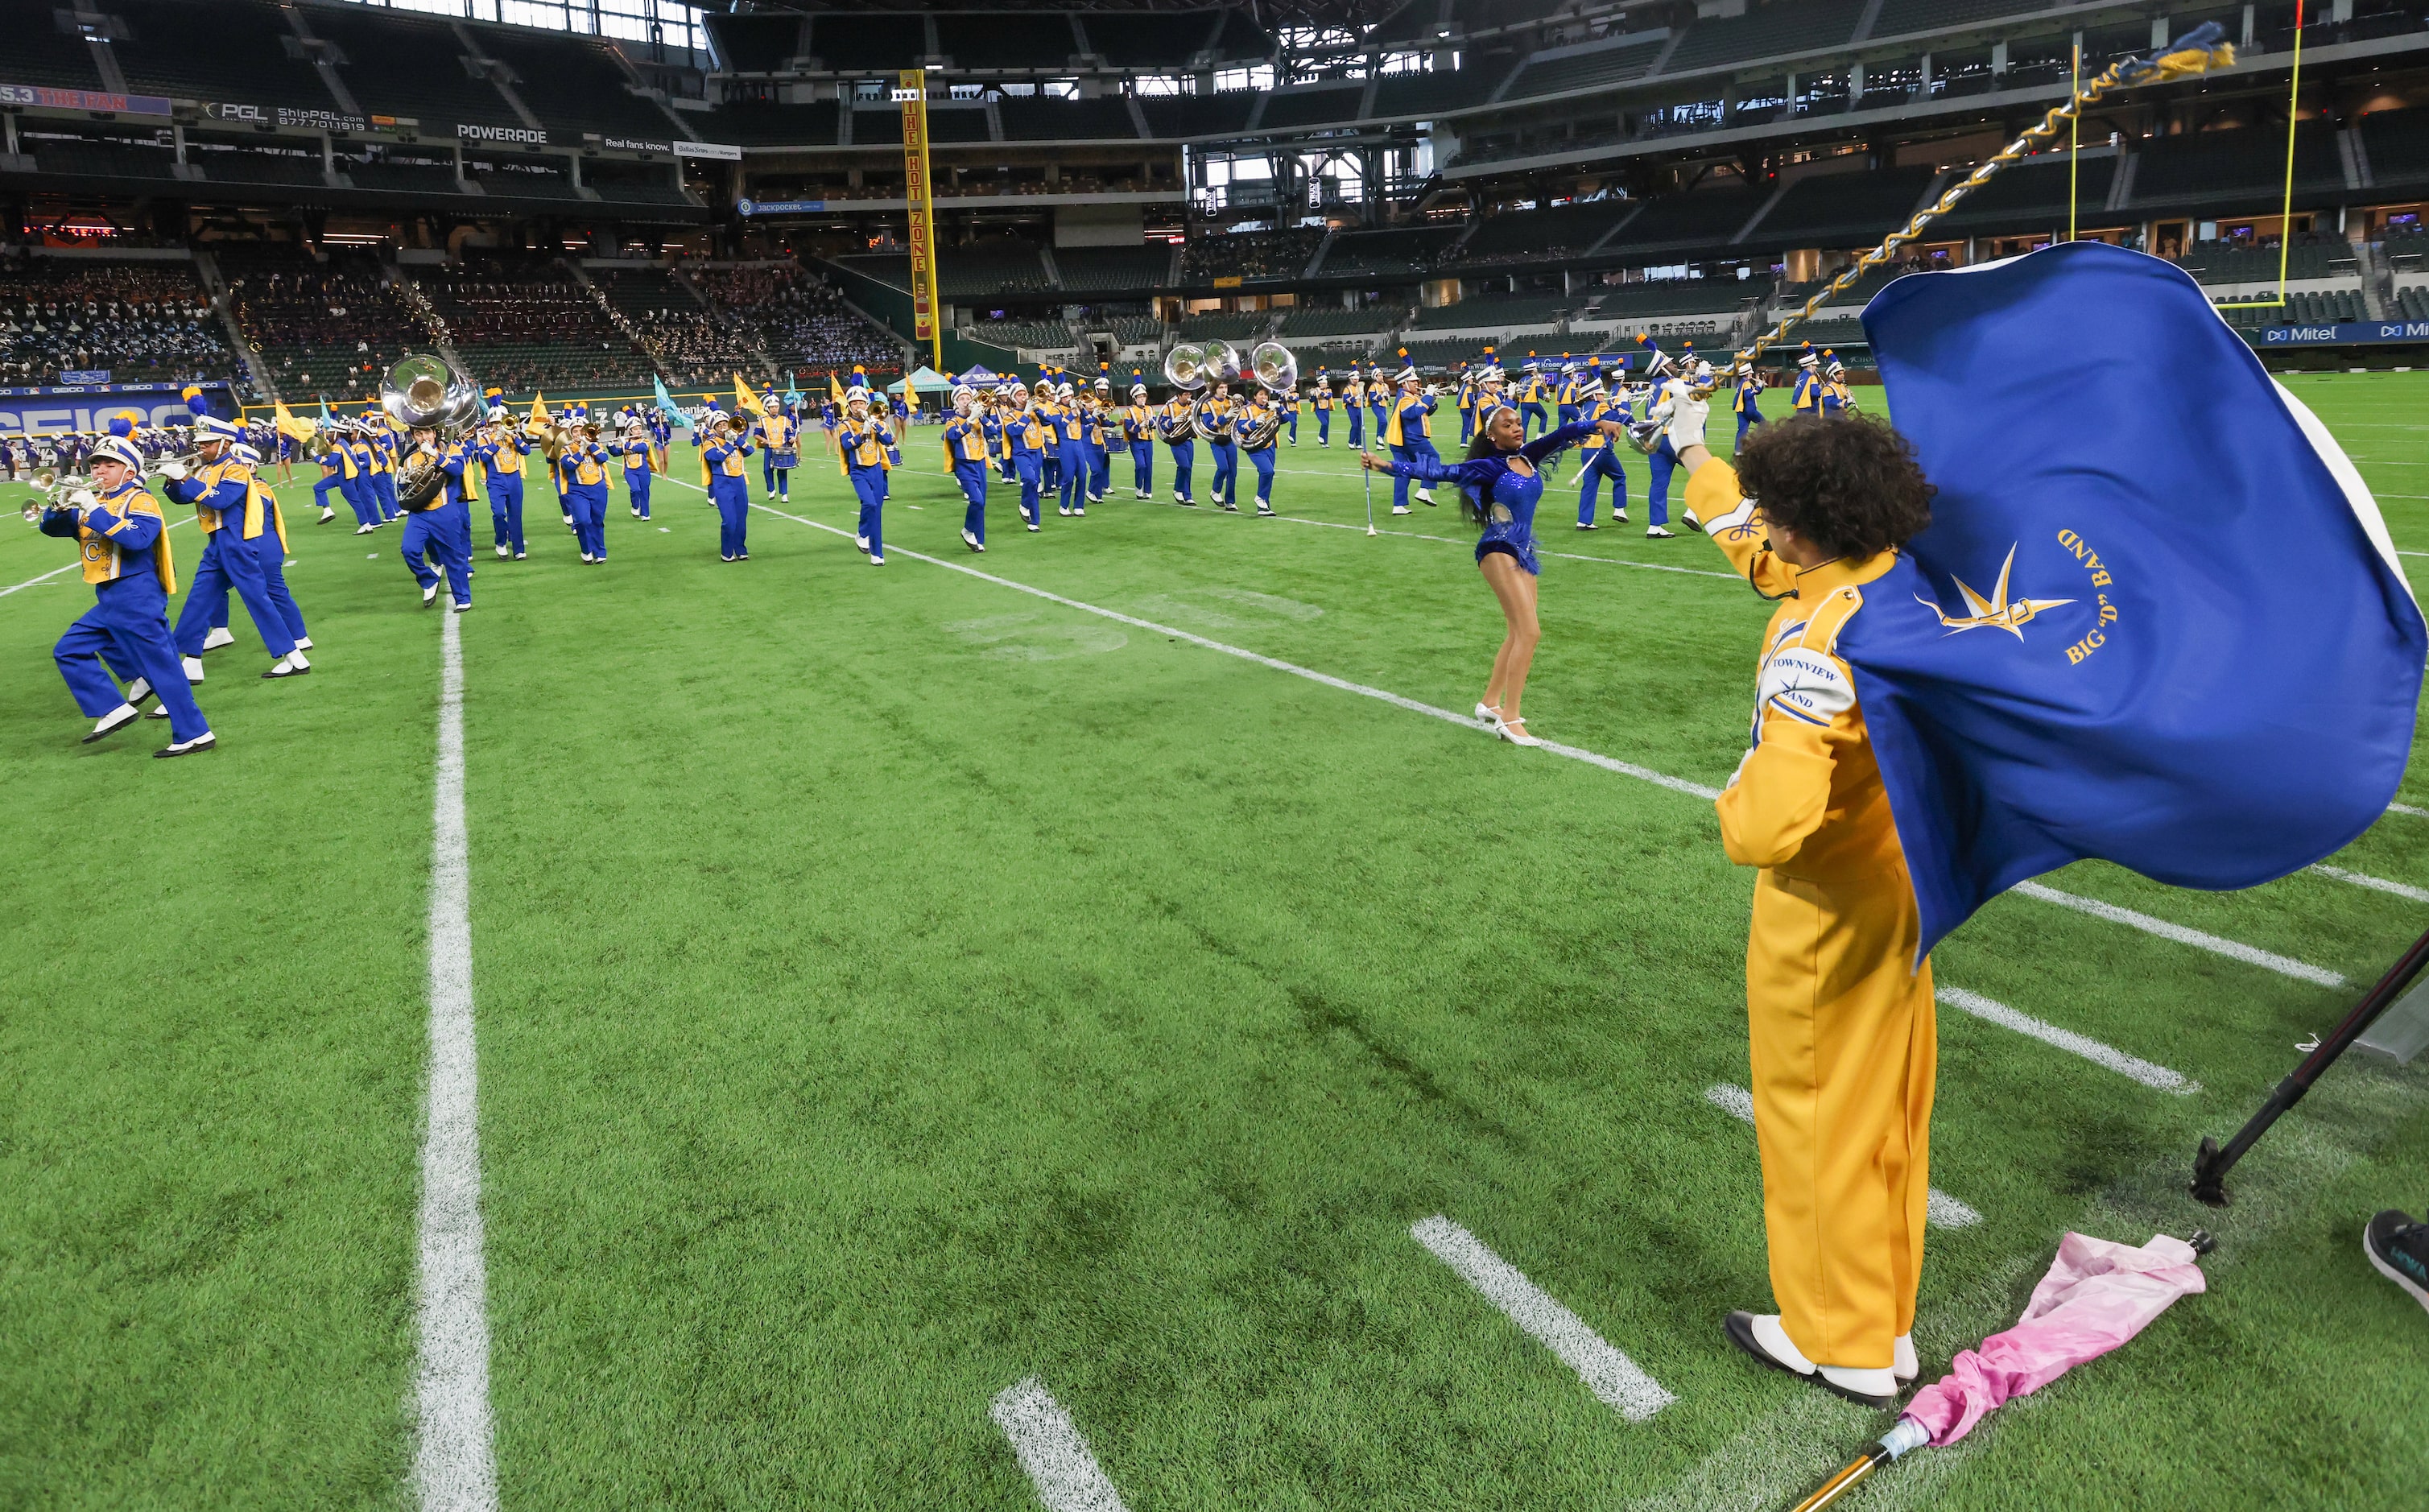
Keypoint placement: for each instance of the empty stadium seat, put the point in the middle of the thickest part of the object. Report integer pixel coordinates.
(875, 41)
(1105, 269)
(979, 270)
(40, 53)
(1044, 118)
(401, 64)
(1700, 220)
(1408, 250)
(1600, 69)
(1006, 40)
(2200, 167)
(235, 50)
(1311, 107)
(1829, 210)
(1766, 31)
(754, 43)
(575, 84)
(1550, 232)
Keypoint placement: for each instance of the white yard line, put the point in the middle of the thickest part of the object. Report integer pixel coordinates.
(2407, 808)
(2133, 1067)
(1565, 556)
(1939, 1210)
(1614, 1379)
(1051, 1450)
(2233, 949)
(454, 1468)
(2363, 879)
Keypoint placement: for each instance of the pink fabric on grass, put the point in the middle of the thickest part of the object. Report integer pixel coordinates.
(2097, 1295)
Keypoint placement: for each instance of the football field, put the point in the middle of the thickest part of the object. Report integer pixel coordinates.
(1095, 1019)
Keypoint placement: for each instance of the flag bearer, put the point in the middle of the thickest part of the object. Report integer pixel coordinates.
(966, 457)
(1839, 1009)
(123, 539)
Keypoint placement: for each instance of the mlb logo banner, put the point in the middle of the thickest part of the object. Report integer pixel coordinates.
(2156, 619)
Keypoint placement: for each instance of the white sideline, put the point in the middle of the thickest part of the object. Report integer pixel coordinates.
(2363, 879)
(454, 1468)
(2233, 949)
(69, 567)
(1939, 1210)
(1051, 1450)
(1611, 1375)
(2092, 1050)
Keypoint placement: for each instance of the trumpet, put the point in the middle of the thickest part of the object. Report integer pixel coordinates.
(58, 488)
(188, 460)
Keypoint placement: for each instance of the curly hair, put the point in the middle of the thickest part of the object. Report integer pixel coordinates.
(1847, 483)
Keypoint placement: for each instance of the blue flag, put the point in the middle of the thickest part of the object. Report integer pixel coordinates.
(676, 419)
(2156, 619)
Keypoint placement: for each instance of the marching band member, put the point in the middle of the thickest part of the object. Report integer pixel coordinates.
(1381, 396)
(1596, 406)
(1289, 402)
(643, 459)
(270, 549)
(583, 465)
(1668, 387)
(966, 458)
(722, 452)
(123, 539)
(502, 451)
(381, 441)
(234, 510)
(1070, 451)
(1353, 400)
(1004, 403)
(1025, 434)
(1835, 397)
(361, 457)
(1049, 415)
(1138, 432)
(1176, 423)
(867, 455)
(1258, 427)
(1749, 413)
(1323, 403)
(1406, 435)
(1500, 485)
(1215, 416)
(1464, 396)
(337, 473)
(1565, 396)
(435, 530)
(1841, 1025)
(1101, 424)
(1531, 395)
(779, 434)
(1805, 400)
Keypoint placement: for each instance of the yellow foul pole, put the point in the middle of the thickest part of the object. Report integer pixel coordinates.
(926, 309)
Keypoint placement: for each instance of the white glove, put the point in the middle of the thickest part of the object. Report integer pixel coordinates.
(81, 500)
(1686, 427)
(173, 470)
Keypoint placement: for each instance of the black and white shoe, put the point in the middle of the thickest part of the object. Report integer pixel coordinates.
(518, 556)
(113, 722)
(138, 691)
(1619, 517)
(1588, 524)
(194, 668)
(326, 515)
(2399, 1250)
(200, 744)
(219, 635)
(1059, 509)
(463, 606)
(1657, 532)
(1079, 513)
(1265, 510)
(861, 541)
(365, 530)
(430, 594)
(290, 665)
(303, 642)
(1033, 527)
(504, 552)
(1401, 509)
(1763, 1337)
(971, 541)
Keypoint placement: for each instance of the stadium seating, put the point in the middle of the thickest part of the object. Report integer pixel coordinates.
(99, 156)
(1401, 251)
(2201, 167)
(248, 163)
(1043, 335)
(980, 270)
(801, 321)
(1045, 119)
(401, 64)
(218, 52)
(1249, 255)
(1164, 42)
(1006, 40)
(2332, 308)
(1836, 334)
(1103, 269)
(1701, 221)
(2032, 197)
(1599, 69)
(324, 330)
(958, 123)
(1238, 326)
(2237, 262)
(1900, 17)
(1436, 357)
(2406, 249)
(1417, 94)
(1833, 209)
(1765, 31)
(873, 42)
(574, 84)
(1311, 107)
(1557, 231)
(1507, 312)
(2397, 145)
(1133, 330)
(754, 43)
(40, 53)
(524, 178)
(1677, 296)
(2412, 302)
(1324, 321)
(143, 322)
(1184, 115)
(520, 322)
(392, 177)
(775, 126)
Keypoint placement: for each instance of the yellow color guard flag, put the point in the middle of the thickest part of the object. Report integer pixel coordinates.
(538, 410)
(834, 389)
(745, 399)
(288, 425)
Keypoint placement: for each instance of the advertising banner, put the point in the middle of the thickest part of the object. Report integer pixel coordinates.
(2346, 333)
(83, 100)
(779, 206)
(722, 151)
(93, 407)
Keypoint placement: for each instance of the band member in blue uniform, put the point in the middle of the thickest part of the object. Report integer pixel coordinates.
(781, 435)
(1026, 431)
(270, 549)
(584, 463)
(1322, 402)
(1070, 451)
(1595, 404)
(233, 511)
(1176, 424)
(500, 451)
(1353, 404)
(643, 459)
(1216, 414)
(1407, 433)
(1259, 424)
(1101, 426)
(869, 456)
(724, 452)
(123, 539)
(1500, 486)
(1138, 434)
(966, 458)
(1749, 412)
(434, 531)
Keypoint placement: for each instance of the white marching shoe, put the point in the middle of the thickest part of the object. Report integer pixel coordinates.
(365, 530)
(290, 665)
(875, 560)
(1619, 516)
(138, 691)
(971, 541)
(430, 594)
(1423, 495)
(1903, 1363)
(1400, 508)
(303, 642)
(862, 542)
(113, 722)
(326, 515)
(504, 552)
(1762, 1336)
(204, 742)
(1657, 532)
(193, 666)
(219, 637)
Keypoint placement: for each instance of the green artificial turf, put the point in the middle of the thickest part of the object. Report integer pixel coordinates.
(891, 985)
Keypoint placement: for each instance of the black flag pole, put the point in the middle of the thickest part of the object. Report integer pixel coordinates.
(2212, 1163)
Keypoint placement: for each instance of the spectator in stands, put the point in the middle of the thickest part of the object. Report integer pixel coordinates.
(143, 323)
(1252, 254)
